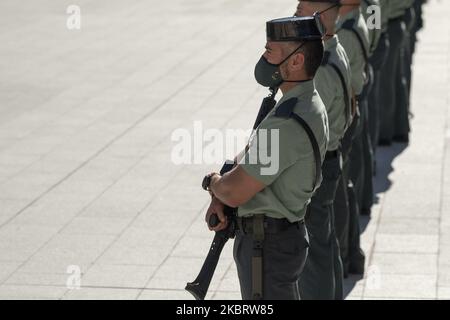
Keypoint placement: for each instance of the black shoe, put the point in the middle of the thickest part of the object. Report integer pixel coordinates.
(356, 268)
(401, 138)
(346, 273)
(366, 212)
(357, 263)
(385, 142)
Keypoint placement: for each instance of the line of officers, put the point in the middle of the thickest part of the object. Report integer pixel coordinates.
(380, 59)
(294, 242)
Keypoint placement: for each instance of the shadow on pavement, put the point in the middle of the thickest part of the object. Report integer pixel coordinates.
(382, 183)
(350, 283)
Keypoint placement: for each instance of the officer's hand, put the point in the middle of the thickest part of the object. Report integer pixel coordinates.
(216, 207)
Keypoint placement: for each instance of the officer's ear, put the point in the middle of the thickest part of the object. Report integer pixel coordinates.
(298, 61)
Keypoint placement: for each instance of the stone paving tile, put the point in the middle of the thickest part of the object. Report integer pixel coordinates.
(143, 254)
(101, 294)
(229, 282)
(151, 294)
(404, 263)
(85, 153)
(227, 296)
(176, 272)
(426, 207)
(444, 293)
(96, 226)
(194, 247)
(9, 208)
(409, 243)
(428, 226)
(125, 276)
(48, 214)
(39, 278)
(7, 269)
(18, 243)
(68, 250)
(395, 299)
(444, 277)
(402, 286)
(11, 292)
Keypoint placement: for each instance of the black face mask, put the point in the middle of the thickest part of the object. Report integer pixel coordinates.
(268, 74)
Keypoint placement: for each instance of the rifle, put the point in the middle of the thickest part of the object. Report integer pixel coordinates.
(267, 105)
(199, 287)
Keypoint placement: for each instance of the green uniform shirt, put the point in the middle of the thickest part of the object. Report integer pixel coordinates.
(331, 90)
(374, 33)
(353, 47)
(289, 190)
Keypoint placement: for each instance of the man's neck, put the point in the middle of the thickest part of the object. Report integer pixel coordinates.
(330, 27)
(287, 86)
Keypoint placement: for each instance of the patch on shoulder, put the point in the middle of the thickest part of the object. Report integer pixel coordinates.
(348, 25)
(326, 58)
(285, 109)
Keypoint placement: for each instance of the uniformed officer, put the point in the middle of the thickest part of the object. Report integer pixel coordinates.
(418, 8)
(271, 242)
(378, 61)
(369, 9)
(401, 124)
(410, 19)
(354, 36)
(322, 277)
(394, 86)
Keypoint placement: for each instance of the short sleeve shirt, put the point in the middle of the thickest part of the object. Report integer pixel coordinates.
(289, 176)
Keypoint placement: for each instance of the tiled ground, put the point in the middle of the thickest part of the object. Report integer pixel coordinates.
(86, 177)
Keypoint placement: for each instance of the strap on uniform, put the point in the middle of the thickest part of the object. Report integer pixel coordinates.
(285, 110)
(326, 58)
(257, 258)
(348, 110)
(349, 25)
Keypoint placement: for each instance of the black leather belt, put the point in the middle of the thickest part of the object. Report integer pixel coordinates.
(271, 225)
(331, 155)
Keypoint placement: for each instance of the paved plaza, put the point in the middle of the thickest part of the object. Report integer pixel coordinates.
(92, 205)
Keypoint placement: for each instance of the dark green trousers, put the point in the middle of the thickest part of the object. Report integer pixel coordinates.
(378, 60)
(410, 21)
(322, 277)
(350, 194)
(357, 158)
(391, 81)
(403, 82)
(342, 216)
(342, 200)
(367, 192)
(360, 173)
(284, 256)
